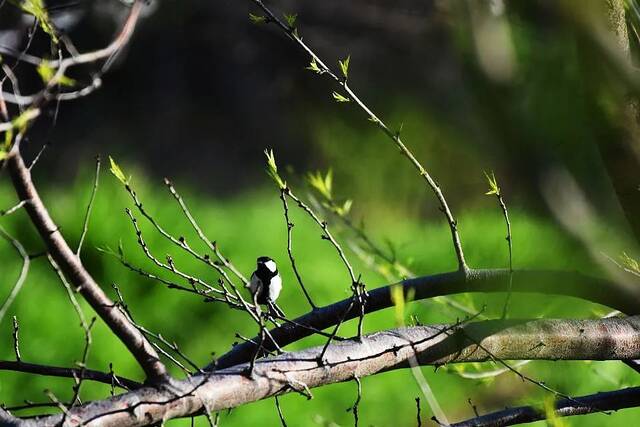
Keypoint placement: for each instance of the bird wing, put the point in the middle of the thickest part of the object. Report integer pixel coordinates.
(255, 284)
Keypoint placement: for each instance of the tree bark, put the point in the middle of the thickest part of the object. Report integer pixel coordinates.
(604, 339)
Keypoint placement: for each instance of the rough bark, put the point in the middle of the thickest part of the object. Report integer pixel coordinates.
(547, 282)
(613, 338)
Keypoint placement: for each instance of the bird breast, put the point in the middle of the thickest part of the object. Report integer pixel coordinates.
(275, 287)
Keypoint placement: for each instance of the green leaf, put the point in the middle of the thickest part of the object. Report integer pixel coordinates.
(553, 420)
(344, 66)
(291, 19)
(38, 9)
(257, 19)
(117, 171)
(630, 263)
(322, 184)
(3, 154)
(65, 81)
(397, 297)
(8, 137)
(46, 71)
(272, 169)
(345, 208)
(340, 98)
(493, 185)
(313, 66)
(48, 74)
(22, 121)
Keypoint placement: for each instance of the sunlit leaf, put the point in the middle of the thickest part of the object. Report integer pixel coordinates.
(257, 19)
(397, 297)
(340, 98)
(553, 420)
(345, 208)
(630, 263)
(344, 66)
(290, 19)
(322, 184)
(22, 121)
(46, 71)
(48, 74)
(272, 169)
(313, 66)
(117, 171)
(38, 9)
(493, 185)
(8, 137)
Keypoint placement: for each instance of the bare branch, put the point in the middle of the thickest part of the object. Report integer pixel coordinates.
(606, 401)
(8, 420)
(23, 272)
(77, 275)
(57, 371)
(16, 338)
(210, 244)
(612, 338)
(12, 209)
(290, 225)
(292, 33)
(85, 226)
(574, 284)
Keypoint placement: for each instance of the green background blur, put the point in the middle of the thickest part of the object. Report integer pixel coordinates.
(523, 91)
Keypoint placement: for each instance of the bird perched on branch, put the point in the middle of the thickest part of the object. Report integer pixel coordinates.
(266, 284)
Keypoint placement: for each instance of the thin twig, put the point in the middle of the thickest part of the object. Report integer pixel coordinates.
(39, 155)
(57, 371)
(23, 272)
(325, 228)
(494, 189)
(292, 33)
(13, 209)
(16, 338)
(76, 273)
(85, 226)
(356, 404)
(290, 226)
(280, 414)
(609, 401)
(210, 244)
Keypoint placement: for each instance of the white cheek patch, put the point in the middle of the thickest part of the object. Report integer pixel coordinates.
(271, 265)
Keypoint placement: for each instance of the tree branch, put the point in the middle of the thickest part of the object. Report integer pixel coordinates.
(612, 338)
(8, 420)
(77, 275)
(536, 281)
(607, 401)
(79, 373)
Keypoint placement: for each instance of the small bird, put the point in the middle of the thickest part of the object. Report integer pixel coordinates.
(266, 284)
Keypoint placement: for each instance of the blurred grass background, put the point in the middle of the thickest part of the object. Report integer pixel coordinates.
(536, 96)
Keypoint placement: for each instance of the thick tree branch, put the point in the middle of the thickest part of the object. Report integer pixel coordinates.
(546, 282)
(612, 338)
(607, 401)
(8, 420)
(79, 373)
(77, 275)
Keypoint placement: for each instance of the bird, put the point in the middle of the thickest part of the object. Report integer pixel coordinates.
(265, 284)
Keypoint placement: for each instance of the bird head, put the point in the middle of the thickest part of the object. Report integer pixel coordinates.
(267, 263)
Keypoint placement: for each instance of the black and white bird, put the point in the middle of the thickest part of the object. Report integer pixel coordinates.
(266, 284)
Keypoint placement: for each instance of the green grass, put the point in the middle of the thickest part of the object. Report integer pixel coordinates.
(251, 225)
